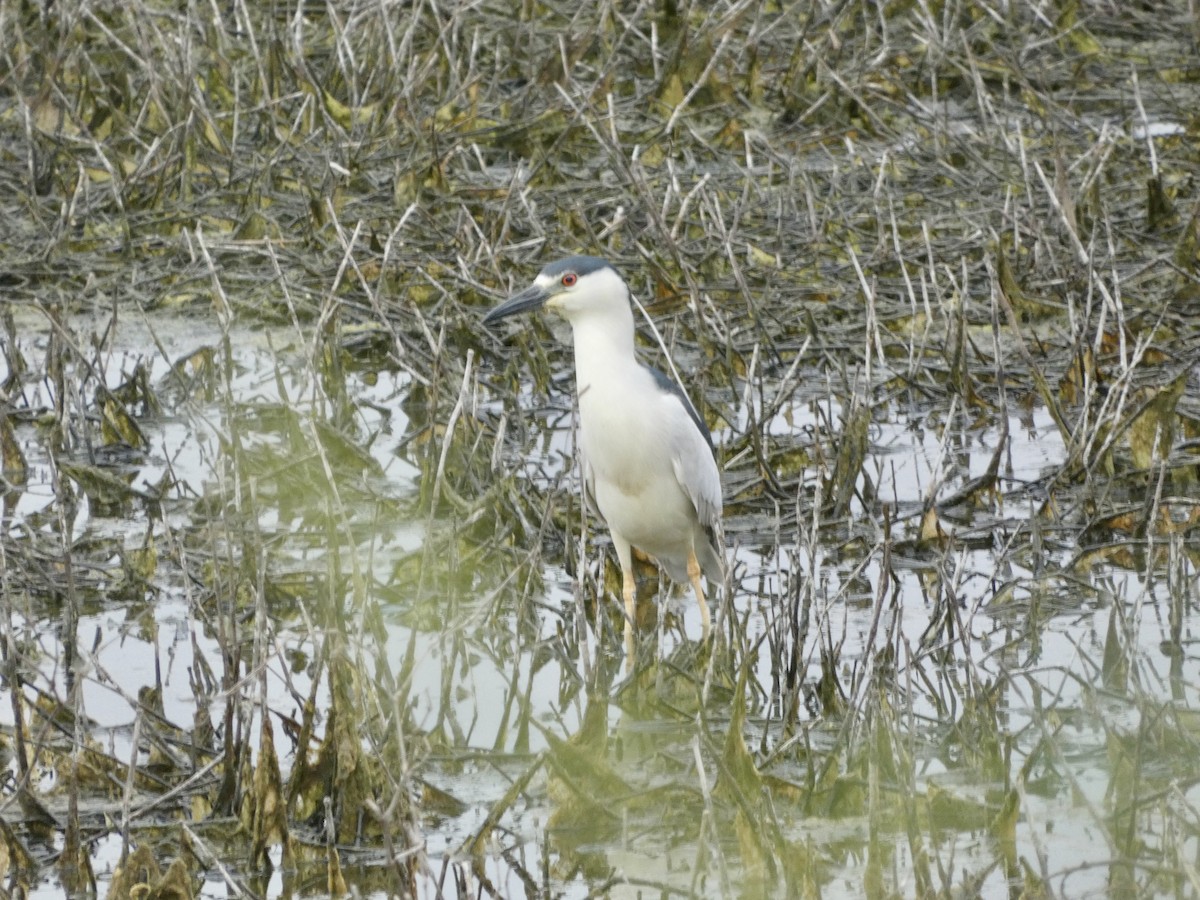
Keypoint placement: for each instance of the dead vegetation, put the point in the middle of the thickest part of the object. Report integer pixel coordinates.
(295, 577)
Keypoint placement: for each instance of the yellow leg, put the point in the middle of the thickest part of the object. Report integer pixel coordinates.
(694, 577)
(628, 591)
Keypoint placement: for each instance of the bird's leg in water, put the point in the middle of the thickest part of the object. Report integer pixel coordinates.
(629, 592)
(694, 577)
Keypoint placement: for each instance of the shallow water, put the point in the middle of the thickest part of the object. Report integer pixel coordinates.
(483, 680)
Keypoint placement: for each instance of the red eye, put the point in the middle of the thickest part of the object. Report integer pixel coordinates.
(569, 279)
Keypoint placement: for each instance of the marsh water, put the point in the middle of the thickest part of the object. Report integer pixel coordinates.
(497, 684)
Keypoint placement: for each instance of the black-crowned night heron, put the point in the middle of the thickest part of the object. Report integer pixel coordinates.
(647, 455)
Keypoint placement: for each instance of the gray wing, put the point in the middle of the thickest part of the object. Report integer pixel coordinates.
(667, 386)
(697, 472)
(691, 452)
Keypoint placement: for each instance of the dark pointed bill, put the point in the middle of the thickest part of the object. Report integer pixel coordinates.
(532, 297)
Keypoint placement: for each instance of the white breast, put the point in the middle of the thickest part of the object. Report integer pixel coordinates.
(623, 422)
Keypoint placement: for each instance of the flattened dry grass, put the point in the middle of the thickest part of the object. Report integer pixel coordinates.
(930, 271)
